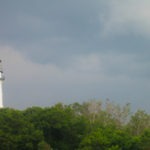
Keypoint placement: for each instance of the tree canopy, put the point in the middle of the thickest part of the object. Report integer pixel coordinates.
(87, 126)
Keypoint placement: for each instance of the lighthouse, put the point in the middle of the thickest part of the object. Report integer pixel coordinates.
(1, 85)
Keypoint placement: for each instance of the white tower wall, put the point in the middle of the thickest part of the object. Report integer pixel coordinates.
(1, 84)
(1, 94)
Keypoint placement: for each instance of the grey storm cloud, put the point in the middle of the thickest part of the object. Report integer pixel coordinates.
(75, 50)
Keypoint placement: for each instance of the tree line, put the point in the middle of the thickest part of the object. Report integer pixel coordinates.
(91, 125)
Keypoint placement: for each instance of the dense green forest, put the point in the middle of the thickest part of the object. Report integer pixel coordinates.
(87, 126)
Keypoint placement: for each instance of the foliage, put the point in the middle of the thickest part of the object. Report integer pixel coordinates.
(16, 132)
(87, 126)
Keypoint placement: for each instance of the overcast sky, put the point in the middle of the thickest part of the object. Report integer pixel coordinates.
(75, 50)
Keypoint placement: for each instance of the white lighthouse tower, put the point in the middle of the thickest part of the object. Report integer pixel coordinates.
(1, 82)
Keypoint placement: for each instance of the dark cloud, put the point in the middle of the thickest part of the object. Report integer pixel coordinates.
(81, 48)
(53, 28)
